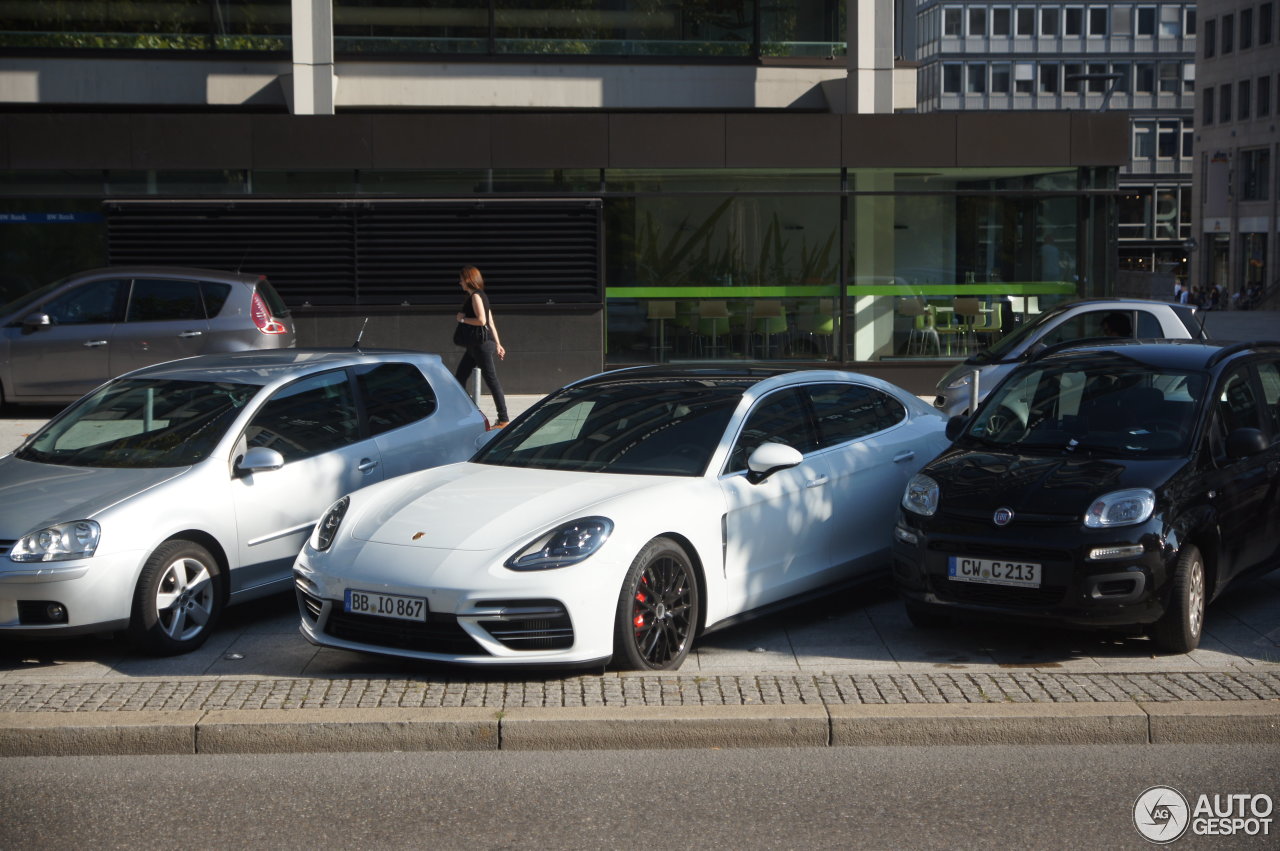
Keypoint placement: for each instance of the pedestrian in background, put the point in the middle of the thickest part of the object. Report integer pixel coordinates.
(477, 333)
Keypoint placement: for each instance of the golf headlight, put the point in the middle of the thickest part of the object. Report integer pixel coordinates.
(564, 545)
(327, 528)
(1120, 508)
(921, 495)
(65, 541)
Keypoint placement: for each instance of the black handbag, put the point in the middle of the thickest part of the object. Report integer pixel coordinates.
(470, 335)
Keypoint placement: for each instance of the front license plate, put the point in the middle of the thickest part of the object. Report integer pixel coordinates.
(386, 605)
(1020, 574)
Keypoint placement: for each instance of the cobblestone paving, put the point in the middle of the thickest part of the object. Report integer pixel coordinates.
(673, 690)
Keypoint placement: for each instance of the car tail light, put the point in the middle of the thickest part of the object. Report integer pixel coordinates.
(262, 317)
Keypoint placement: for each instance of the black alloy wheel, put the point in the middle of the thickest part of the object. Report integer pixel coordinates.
(657, 609)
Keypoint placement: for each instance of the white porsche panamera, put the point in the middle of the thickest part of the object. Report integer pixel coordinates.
(620, 517)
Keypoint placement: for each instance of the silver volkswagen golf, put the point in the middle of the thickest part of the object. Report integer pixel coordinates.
(177, 489)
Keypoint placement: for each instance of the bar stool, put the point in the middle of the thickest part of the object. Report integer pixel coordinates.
(769, 320)
(660, 312)
(713, 321)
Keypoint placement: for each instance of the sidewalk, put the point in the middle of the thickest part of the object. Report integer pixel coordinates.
(847, 671)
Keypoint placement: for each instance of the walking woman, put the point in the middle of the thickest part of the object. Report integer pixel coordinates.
(478, 334)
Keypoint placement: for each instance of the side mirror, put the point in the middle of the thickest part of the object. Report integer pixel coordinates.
(35, 321)
(768, 459)
(260, 458)
(1244, 442)
(955, 426)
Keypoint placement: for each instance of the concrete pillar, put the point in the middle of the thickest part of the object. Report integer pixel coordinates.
(314, 81)
(870, 34)
(871, 263)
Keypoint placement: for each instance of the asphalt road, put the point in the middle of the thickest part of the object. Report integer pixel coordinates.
(952, 797)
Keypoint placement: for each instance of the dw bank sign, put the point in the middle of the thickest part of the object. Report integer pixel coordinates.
(1162, 814)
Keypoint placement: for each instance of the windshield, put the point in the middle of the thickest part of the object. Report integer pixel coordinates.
(1004, 347)
(1112, 407)
(643, 427)
(141, 423)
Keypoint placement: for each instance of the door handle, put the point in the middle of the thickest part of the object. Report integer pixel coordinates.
(816, 483)
(186, 334)
(93, 344)
(366, 465)
(904, 456)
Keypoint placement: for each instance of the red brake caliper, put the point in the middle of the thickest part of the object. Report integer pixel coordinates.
(640, 598)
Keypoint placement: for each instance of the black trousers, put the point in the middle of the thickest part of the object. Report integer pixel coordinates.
(484, 356)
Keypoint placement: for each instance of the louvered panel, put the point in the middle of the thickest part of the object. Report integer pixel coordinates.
(371, 252)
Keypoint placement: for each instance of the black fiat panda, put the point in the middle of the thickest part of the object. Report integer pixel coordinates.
(1108, 484)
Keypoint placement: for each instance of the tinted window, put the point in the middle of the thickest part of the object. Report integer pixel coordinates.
(92, 303)
(141, 423)
(395, 394)
(846, 412)
(652, 427)
(1269, 375)
(1149, 326)
(781, 417)
(215, 296)
(156, 299)
(313, 415)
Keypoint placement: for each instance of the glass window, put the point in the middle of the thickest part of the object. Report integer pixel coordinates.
(951, 77)
(1189, 21)
(215, 296)
(1122, 20)
(1244, 93)
(156, 300)
(977, 21)
(1026, 20)
(1071, 82)
(1000, 78)
(1265, 23)
(1073, 21)
(1024, 74)
(1170, 78)
(1228, 33)
(170, 25)
(1264, 97)
(1269, 375)
(1255, 174)
(1049, 20)
(1207, 111)
(976, 79)
(1145, 82)
(91, 304)
(1170, 136)
(1144, 145)
(1097, 20)
(952, 20)
(781, 417)
(1134, 213)
(1210, 39)
(1170, 21)
(1224, 103)
(312, 415)
(1001, 21)
(1048, 79)
(1236, 406)
(1146, 20)
(394, 394)
(847, 412)
(1246, 29)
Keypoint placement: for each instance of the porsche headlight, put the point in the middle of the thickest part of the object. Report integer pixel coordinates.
(962, 381)
(564, 545)
(63, 542)
(327, 528)
(921, 495)
(1120, 508)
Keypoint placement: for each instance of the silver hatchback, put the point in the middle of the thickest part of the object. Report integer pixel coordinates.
(62, 340)
(174, 490)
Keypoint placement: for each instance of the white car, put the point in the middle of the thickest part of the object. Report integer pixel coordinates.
(171, 491)
(621, 516)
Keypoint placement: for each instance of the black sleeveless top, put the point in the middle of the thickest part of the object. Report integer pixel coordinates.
(469, 307)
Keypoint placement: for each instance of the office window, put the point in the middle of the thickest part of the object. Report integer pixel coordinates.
(1170, 78)
(1120, 85)
(952, 20)
(975, 79)
(1144, 141)
(1170, 21)
(1189, 21)
(1246, 29)
(1049, 16)
(1169, 139)
(1048, 79)
(1255, 174)
(1228, 33)
(1122, 20)
(1188, 146)
(1265, 23)
(1224, 103)
(1000, 78)
(1189, 78)
(1001, 21)
(1026, 20)
(1073, 21)
(1146, 20)
(1207, 106)
(1097, 20)
(952, 73)
(977, 21)
(1210, 38)
(1071, 82)
(1244, 93)
(1264, 97)
(1144, 78)
(1024, 75)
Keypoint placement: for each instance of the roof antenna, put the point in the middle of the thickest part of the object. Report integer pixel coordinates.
(356, 344)
(240, 266)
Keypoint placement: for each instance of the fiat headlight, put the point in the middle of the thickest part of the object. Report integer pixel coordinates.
(1120, 508)
(63, 542)
(564, 545)
(921, 495)
(327, 528)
